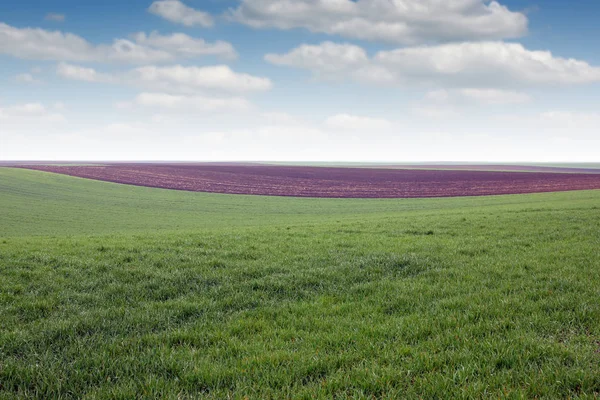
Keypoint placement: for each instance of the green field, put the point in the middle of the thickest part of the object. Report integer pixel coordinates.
(115, 291)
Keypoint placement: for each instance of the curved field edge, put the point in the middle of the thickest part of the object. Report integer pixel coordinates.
(189, 295)
(40, 203)
(329, 182)
(150, 293)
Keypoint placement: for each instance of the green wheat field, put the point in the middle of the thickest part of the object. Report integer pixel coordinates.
(123, 292)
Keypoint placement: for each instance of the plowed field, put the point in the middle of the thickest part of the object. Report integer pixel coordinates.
(328, 182)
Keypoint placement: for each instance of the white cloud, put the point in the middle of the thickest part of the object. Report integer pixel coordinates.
(333, 61)
(41, 44)
(183, 79)
(440, 95)
(25, 78)
(396, 21)
(174, 79)
(435, 111)
(354, 122)
(184, 45)
(469, 64)
(176, 11)
(485, 62)
(456, 104)
(571, 120)
(279, 118)
(123, 50)
(24, 115)
(78, 73)
(179, 103)
(495, 96)
(55, 17)
(23, 110)
(328, 58)
(486, 96)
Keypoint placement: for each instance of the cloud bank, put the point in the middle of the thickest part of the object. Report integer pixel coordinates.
(393, 21)
(477, 64)
(41, 44)
(177, 12)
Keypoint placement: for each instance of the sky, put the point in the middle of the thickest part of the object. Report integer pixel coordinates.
(300, 80)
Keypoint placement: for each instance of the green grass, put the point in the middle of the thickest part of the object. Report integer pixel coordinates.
(113, 291)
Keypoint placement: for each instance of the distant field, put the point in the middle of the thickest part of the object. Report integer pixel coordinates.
(336, 182)
(568, 168)
(525, 167)
(117, 291)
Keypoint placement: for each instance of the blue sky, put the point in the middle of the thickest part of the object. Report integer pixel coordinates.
(328, 80)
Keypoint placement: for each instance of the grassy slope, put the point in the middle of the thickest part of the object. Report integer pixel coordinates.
(119, 291)
(44, 204)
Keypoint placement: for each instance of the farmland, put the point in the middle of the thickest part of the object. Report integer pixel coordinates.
(118, 291)
(306, 181)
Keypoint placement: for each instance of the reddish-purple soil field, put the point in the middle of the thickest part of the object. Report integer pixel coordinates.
(328, 182)
(497, 167)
